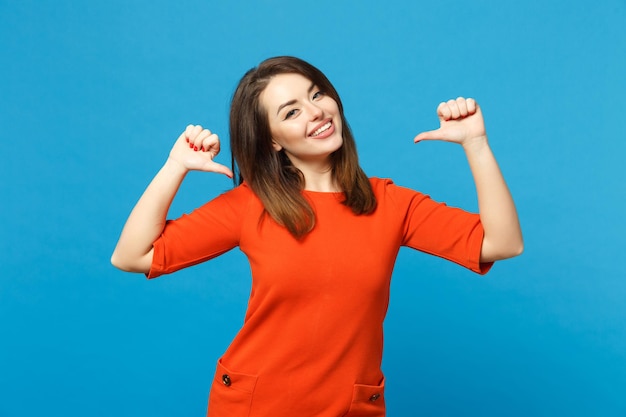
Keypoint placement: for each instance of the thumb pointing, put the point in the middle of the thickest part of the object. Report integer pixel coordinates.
(429, 135)
(211, 166)
(222, 169)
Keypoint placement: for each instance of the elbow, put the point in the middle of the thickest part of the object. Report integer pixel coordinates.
(513, 250)
(121, 263)
(118, 263)
(492, 252)
(517, 250)
(518, 245)
(131, 264)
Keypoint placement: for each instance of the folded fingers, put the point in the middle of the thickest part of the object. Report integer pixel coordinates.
(200, 139)
(456, 109)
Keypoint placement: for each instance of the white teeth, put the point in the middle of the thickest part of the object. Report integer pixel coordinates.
(321, 129)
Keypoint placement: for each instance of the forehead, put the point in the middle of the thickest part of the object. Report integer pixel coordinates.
(283, 88)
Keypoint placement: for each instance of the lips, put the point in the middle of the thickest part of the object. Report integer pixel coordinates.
(322, 130)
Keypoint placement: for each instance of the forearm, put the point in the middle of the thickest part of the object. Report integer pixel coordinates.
(503, 235)
(146, 221)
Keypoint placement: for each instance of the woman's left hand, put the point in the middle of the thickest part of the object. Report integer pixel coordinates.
(461, 122)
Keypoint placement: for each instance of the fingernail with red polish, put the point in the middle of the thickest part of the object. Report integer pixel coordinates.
(195, 148)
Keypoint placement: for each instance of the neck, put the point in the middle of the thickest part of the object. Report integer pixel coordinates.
(318, 174)
(323, 185)
(318, 178)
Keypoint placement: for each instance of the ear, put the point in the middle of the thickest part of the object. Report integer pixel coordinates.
(276, 146)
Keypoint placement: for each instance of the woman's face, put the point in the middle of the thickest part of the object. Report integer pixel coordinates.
(304, 121)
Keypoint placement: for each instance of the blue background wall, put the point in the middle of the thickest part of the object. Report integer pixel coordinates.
(93, 94)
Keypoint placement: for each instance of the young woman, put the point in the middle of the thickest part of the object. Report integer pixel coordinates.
(320, 236)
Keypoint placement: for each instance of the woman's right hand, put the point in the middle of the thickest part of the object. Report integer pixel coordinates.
(196, 148)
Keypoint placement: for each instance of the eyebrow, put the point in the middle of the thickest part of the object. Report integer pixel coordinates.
(290, 102)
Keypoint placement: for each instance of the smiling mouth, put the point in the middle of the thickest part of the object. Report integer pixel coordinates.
(322, 129)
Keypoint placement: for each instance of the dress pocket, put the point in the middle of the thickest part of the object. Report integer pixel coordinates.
(368, 401)
(231, 393)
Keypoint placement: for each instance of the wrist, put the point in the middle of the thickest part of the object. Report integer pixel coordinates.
(175, 168)
(476, 144)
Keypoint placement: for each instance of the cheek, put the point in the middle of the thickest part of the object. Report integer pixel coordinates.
(332, 105)
(282, 138)
(339, 126)
(291, 133)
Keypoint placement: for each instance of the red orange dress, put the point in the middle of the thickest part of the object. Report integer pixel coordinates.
(312, 340)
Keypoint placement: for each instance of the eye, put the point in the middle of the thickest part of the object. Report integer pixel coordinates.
(318, 95)
(291, 113)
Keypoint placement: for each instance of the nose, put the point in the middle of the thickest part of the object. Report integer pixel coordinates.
(315, 111)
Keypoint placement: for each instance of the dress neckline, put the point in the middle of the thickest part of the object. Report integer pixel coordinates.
(322, 193)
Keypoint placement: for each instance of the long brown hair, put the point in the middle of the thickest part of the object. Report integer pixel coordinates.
(270, 174)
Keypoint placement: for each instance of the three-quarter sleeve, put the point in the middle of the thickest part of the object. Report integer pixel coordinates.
(435, 228)
(205, 233)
